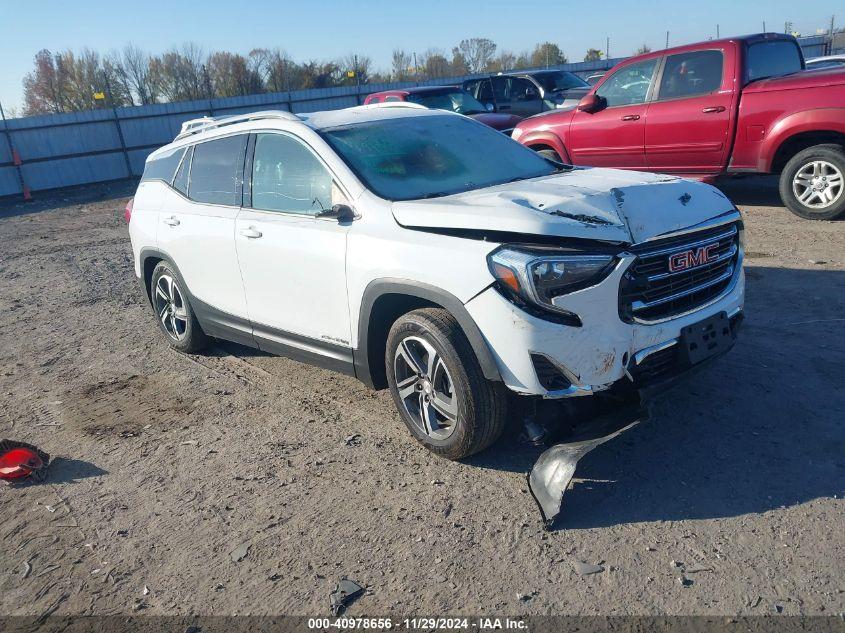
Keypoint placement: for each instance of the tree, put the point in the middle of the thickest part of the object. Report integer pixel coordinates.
(42, 86)
(180, 74)
(435, 64)
(459, 65)
(401, 65)
(642, 50)
(547, 54)
(359, 64)
(276, 68)
(477, 53)
(503, 62)
(593, 55)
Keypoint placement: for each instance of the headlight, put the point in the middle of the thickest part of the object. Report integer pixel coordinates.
(538, 278)
(517, 132)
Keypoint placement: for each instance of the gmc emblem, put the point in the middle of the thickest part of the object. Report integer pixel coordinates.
(692, 258)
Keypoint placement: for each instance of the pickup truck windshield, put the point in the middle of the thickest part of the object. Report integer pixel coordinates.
(771, 59)
(417, 157)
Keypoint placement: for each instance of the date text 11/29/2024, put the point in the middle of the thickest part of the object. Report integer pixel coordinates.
(421, 623)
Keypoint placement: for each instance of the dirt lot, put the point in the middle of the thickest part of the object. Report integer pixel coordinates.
(226, 483)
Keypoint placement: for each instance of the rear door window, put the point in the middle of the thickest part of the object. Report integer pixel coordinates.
(691, 74)
(180, 182)
(163, 167)
(217, 171)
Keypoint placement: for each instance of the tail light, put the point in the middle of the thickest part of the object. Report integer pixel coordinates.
(127, 212)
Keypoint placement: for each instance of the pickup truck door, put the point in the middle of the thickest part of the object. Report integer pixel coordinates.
(615, 135)
(293, 263)
(688, 127)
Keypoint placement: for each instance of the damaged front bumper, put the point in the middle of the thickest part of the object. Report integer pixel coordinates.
(553, 471)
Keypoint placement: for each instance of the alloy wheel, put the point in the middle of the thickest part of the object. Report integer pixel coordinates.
(818, 184)
(425, 387)
(170, 307)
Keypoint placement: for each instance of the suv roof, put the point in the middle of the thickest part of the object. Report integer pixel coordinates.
(314, 120)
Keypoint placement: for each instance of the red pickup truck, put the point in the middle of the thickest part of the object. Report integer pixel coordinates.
(734, 106)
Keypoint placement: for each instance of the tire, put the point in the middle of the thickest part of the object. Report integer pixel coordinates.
(821, 166)
(478, 406)
(173, 311)
(550, 154)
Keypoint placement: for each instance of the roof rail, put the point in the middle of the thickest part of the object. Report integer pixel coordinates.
(390, 104)
(195, 126)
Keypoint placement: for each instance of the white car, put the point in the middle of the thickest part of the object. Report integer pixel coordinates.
(831, 61)
(424, 252)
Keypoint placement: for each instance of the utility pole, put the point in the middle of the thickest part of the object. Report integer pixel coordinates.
(415, 66)
(717, 31)
(764, 26)
(607, 49)
(667, 39)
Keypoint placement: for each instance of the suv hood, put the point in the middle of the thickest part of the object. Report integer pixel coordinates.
(589, 203)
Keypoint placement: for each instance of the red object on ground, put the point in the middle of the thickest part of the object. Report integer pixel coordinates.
(26, 193)
(18, 460)
(127, 212)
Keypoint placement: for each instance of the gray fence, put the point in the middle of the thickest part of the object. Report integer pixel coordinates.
(62, 150)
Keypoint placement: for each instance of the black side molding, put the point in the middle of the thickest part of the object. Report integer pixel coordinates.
(390, 286)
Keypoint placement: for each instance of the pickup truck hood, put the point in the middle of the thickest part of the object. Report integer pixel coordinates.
(590, 203)
(799, 81)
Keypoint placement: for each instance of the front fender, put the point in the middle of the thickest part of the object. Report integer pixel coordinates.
(540, 138)
(818, 120)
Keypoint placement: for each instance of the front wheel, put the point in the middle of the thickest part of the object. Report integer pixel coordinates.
(438, 386)
(812, 185)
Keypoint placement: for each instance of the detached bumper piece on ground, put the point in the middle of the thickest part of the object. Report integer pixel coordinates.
(551, 474)
(19, 461)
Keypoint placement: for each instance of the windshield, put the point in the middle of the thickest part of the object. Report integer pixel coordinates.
(417, 157)
(455, 101)
(560, 80)
(772, 59)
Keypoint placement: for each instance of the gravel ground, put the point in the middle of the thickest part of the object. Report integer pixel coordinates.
(239, 483)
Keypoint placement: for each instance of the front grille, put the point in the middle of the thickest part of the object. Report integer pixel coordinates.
(649, 291)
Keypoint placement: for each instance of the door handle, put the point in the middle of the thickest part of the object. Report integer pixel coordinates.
(171, 221)
(252, 233)
(713, 109)
(631, 117)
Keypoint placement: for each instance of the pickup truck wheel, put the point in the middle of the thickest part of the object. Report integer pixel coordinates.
(550, 154)
(438, 386)
(173, 311)
(812, 185)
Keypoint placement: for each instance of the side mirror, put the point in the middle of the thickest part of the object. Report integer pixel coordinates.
(590, 103)
(489, 107)
(339, 212)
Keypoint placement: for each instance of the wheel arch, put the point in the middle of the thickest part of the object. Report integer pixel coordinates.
(799, 131)
(546, 140)
(384, 301)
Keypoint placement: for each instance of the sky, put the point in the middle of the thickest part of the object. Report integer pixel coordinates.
(320, 29)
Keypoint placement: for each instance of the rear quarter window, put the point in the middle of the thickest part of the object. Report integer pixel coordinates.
(163, 167)
(771, 59)
(217, 170)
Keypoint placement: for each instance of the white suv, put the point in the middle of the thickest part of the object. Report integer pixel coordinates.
(424, 252)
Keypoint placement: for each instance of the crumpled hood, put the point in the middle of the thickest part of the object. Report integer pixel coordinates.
(592, 203)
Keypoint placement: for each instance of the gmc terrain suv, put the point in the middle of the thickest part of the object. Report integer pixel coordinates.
(424, 252)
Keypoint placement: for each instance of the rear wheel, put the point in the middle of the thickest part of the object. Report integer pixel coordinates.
(173, 311)
(812, 184)
(438, 386)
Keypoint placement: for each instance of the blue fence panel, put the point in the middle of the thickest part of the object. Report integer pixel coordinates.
(36, 143)
(9, 183)
(52, 174)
